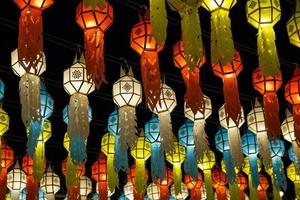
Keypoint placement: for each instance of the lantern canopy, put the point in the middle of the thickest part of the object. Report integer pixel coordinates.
(50, 184)
(293, 27)
(16, 181)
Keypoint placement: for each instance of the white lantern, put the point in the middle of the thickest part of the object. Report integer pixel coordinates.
(201, 142)
(50, 184)
(127, 94)
(128, 191)
(153, 192)
(180, 196)
(85, 187)
(16, 181)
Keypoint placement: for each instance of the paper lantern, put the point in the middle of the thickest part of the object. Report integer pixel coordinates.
(153, 192)
(78, 86)
(131, 177)
(50, 184)
(165, 183)
(143, 42)
(293, 175)
(200, 137)
(293, 27)
(128, 191)
(85, 187)
(194, 185)
(257, 124)
(127, 94)
(219, 182)
(7, 159)
(4, 126)
(184, 193)
(263, 15)
(262, 187)
(16, 181)
(186, 138)
(99, 174)
(94, 22)
(176, 158)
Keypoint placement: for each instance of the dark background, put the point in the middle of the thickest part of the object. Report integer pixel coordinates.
(62, 36)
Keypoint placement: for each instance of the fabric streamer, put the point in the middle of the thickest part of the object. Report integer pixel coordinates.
(35, 129)
(157, 161)
(93, 3)
(159, 20)
(201, 140)
(166, 132)
(235, 143)
(190, 163)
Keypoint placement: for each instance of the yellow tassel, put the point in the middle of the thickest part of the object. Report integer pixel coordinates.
(177, 177)
(71, 177)
(208, 184)
(113, 178)
(38, 161)
(140, 183)
(297, 189)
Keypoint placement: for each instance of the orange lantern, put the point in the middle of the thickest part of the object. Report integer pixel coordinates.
(99, 175)
(219, 181)
(268, 86)
(229, 72)
(143, 42)
(194, 186)
(7, 156)
(165, 184)
(292, 95)
(262, 187)
(242, 183)
(94, 22)
(131, 178)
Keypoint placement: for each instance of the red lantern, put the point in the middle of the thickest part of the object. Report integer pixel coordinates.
(262, 187)
(219, 181)
(268, 86)
(131, 178)
(99, 174)
(165, 184)
(243, 183)
(143, 42)
(7, 156)
(292, 95)
(94, 22)
(229, 72)
(194, 95)
(194, 186)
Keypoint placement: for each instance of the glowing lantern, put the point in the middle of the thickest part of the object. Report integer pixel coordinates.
(247, 169)
(219, 182)
(50, 184)
(143, 42)
(186, 138)
(184, 193)
(194, 185)
(85, 187)
(176, 158)
(263, 15)
(4, 126)
(165, 183)
(128, 191)
(262, 187)
(99, 172)
(153, 192)
(293, 175)
(7, 159)
(293, 27)
(94, 23)
(200, 137)
(127, 94)
(16, 181)
(132, 178)
(242, 182)
(77, 85)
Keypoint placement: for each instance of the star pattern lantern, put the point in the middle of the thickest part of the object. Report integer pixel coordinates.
(293, 175)
(293, 27)
(263, 15)
(165, 183)
(262, 187)
(85, 187)
(94, 22)
(153, 192)
(200, 137)
(78, 86)
(184, 193)
(194, 185)
(7, 160)
(143, 42)
(131, 177)
(16, 181)
(50, 184)
(219, 181)
(127, 95)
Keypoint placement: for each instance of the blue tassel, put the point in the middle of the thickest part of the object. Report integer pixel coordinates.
(278, 170)
(78, 150)
(121, 157)
(35, 128)
(190, 163)
(157, 162)
(229, 167)
(254, 170)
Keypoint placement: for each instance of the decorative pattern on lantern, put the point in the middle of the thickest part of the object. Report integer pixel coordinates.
(165, 183)
(99, 174)
(293, 175)
(77, 85)
(7, 160)
(16, 181)
(247, 169)
(184, 193)
(50, 184)
(85, 187)
(94, 22)
(153, 192)
(262, 187)
(131, 177)
(263, 15)
(219, 182)
(293, 27)
(143, 42)
(194, 185)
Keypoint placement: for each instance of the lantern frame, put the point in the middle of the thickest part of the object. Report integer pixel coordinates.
(212, 5)
(85, 186)
(231, 124)
(184, 192)
(293, 28)
(266, 84)
(287, 128)
(167, 101)
(229, 69)
(152, 129)
(16, 178)
(292, 88)
(50, 182)
(153, 192)
(249, 144)
(38, 4)
(188, 113)
(256, 119)
(186, 134)
(142, 149)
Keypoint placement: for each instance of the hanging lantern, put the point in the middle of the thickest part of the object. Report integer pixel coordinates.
(32, 186)
(262, 187)
(85, 187)
(127, 94)
(4, 126)
(77, 85)
(152, 131)
(184, 193)
(50, 184)
(99, 174)
(206, 165)
(7, 159)
(186, 138)
(143, 42)
(2, 90)
(132, 173)
(16, 181)
(165, 183)
(293, 158)
(293, 27)
(263, 15)
(242, 183)
(176, 158)
(247, 169)
(219, 182)
(257, 124)
(194, 185)
(293, 175)
(94, 22)
(128, 192)
(153, 192)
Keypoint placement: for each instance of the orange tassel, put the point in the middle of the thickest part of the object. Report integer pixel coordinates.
(94, 55)
(3, 181)
(73, 193)
(137, 196)
(151, 77)
(271, 111)
(102, 188)
(195, 193)
(32, 188)
(164, 192)
(296, 116)
(221, 193)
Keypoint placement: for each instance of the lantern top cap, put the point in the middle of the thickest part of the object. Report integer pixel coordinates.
(79, 58)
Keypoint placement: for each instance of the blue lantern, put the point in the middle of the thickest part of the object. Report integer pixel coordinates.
(157, 156)
(66, 114)
(2, 88)
(186, 138)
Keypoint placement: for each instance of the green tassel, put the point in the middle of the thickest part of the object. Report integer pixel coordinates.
(94, 3)
(297, 190)
(252, 190)
(177, 173)
(276, 193)
(208, 184)
(234, 191)
(140, 182)
(113, 178)
(38, 161)
(71, 175)
(159, 20)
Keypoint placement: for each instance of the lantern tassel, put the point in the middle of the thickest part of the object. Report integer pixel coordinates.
(166, 132)
(252, 188)
(190, 163)
(159, 20)
(276, 194)
(279, 173)
(3, 182)
(296, 150)
(177, 173)
(271, 112)
(235, 144)
(264, 150)
(267, 52)
(221, 193)
(15, 195)
(230, 172)
(38, 161)
(78, 150)
(140, 183)
(73, 193)
(52, 197)
(297, 189)
(29, 90)
(296, 116)
(102, 190)
(35, 129)
(254, 170)
(164, 192)
(195, 193)
(0, 153)
(201, 142)
(121, 157)
(157, 162)
(138, 196)
(234, 191)
(151, 77)
(32, 188)
(208, 185)
(71, 177)
(113, 177)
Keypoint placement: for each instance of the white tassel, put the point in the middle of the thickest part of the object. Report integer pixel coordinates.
(166, 132)
(201, 142)
(127, 125)
(51, 196)
(264, 150)
(235, 144)
(29, 90)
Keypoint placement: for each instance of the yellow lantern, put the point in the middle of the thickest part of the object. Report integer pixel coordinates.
(293, 27)
(246, 168)
(50, 184)
(4, 126)
(292, 173)
(16, 181)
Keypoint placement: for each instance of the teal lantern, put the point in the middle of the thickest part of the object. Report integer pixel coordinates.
(2, 88)
(294, 158)
(113, 122)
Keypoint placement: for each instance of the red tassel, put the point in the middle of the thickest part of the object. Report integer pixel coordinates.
(3, 181)
(73, 193)
(30, 44)
(94, 55)
(296, 116)
(151, 77)
(242, 195)
(102, 188)
(137, 196)
(271, 112)
(221, 193)
(195, 193)
(32, 188)
(164, 192)
(262, 195)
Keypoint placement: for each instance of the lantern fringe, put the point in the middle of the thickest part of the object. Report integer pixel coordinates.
(140, 183)
(267, 51)
(279, 174)
(73, 193)
(15, 195)
(159, 20)
(230, 171)
(195, 193)
(102, 190)
(221, 193)
(71, 174)
(138, 196)
(297, 189)
(38, 161)
(296, 150)
(29, 90)
(235, 144)
(296, 117)
(35, 130)
(271, 112)
(113, 177)
(164, 192)
(3, 182)
(254, 170)
(151, 77)
(190, 163)
(252, 188)
(157, 162)
(222, 46)
(78, 150)
(94, 56)
(264, 150)
(177, 174)
(201, 141)
(127, 125)
(121, 157)
(275, 191)
(234, 191)
(208, 184)
(32, 188)
(166, 132)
